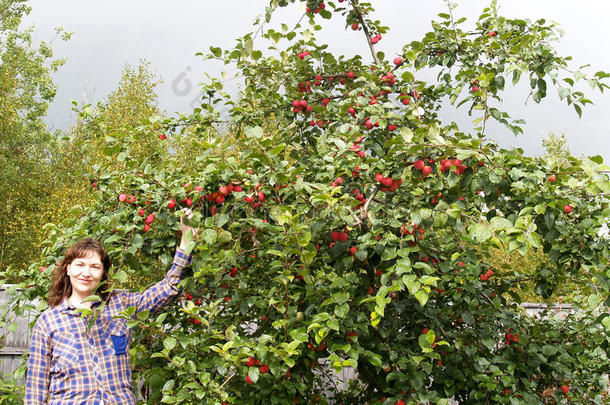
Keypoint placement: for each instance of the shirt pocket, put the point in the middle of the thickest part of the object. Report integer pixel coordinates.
(119, 338)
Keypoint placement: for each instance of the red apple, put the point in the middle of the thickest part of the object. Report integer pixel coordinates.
(552, 178)
(149, 219)
(397, 60)
(122, 197)
(162, 137)
(567, 208)
(419, 164)
(171, 204)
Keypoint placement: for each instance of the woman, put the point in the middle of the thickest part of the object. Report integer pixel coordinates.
(71, 363)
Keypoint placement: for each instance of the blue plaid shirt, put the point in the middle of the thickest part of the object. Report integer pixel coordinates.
(71, 364)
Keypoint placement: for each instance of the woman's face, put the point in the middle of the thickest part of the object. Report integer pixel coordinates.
(85, 274)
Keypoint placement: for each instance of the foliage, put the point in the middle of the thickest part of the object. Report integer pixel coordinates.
(343, 224)
(26, 147)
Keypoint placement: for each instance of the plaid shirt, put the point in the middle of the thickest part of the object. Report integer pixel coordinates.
(71, 364)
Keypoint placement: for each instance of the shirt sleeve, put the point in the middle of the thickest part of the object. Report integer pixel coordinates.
(161, 293)
(39, 363)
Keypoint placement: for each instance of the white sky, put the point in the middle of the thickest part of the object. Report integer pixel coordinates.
(109, 34)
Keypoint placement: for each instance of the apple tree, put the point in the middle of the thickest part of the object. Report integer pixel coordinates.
(345, 224)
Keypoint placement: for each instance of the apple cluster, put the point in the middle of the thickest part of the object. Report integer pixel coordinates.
(128, 199)
(415, 230)
(356, 147)
(375, 39)
(300, 106)
(421, 166)
(404, 98)
(509, 337)
(387, 183)
(303, 54)
(486, 276)
(339, 236)
(257, 201)
(445, 165)
(389, 78)
(322, 346)
(316, 9)
(360, 197)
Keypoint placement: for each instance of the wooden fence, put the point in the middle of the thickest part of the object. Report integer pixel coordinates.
(16, 342)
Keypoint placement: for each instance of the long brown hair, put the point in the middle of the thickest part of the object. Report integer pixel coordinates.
(61, 286)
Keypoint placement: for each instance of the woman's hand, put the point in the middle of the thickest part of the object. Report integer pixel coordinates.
(189, 234)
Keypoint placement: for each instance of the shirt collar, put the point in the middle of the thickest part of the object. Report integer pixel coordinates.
(66, 306)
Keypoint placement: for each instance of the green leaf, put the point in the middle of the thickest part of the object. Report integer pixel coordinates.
(499, 223)
(299, 334)
(440, 219)
(422, 297)
(224, 236)
(253, 373)
(480, 233)
(388, 253)
(410, 281)
(136, 241)
(373, 358)
(342, 310)
(303, 238)
(221, 220)
(208, 236)
(254, 132)
(428, 280)
(169, 343)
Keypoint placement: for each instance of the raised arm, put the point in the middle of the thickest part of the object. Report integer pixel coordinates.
(167, 289)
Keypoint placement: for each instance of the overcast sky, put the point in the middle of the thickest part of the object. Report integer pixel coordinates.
(112, 33)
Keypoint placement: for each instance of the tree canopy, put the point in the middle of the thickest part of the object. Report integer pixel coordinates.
(345, 224)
